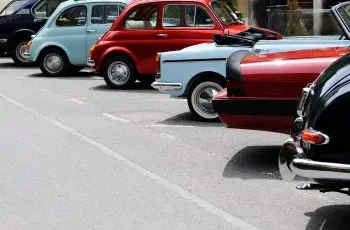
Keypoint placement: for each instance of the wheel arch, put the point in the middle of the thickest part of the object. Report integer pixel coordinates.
(119, 51)
(19, 34)
(52, 46)
(203, 75)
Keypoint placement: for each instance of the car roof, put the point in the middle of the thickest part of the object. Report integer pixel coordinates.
(72, 2)
(154, 1)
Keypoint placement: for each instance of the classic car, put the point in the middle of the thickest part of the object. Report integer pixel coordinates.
(62, 45)
(263, 90)
(127, 52)
(19, 20)
(198, 72)
(317, 148)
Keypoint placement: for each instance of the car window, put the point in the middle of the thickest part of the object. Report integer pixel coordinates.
(45, 8)
(197, 16)
(143, 18)
(172, 17)
(10, 8)
(97, 14)
(112, 12)
(73, 16)
(186, 16)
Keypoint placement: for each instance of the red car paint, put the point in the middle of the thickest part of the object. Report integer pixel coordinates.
(278, 77)
(142, 46)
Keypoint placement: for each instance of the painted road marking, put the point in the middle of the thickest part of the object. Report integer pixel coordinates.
(114, 118)
(77, 101)
(160, 180)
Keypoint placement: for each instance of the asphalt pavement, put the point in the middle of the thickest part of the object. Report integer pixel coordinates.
(77, 155)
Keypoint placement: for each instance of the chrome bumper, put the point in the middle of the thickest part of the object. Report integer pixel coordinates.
(91, 63)
(26, 55)
(292, 161)
(3, 40)
(161, 86)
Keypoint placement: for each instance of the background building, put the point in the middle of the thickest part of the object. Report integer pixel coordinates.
(283, 16)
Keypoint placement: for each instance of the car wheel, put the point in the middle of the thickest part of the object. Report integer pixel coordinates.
(200, 99)
(17, 52)
(54, 62)
(119, 72)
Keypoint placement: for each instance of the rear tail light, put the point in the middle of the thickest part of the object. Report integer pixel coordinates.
(158, 63)
(314, 137)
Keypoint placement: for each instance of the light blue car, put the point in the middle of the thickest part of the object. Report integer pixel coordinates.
(63, 43)
(198, 72)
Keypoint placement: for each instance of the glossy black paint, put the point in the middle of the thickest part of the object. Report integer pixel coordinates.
(19, 26)
(328, 111)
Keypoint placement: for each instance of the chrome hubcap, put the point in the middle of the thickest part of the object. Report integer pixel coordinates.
(20, 49)
(205, 98)
(53, 63)
(118, 73)
(202, 97)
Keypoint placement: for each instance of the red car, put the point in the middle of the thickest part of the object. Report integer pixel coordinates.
(128, 51)
(263, 90)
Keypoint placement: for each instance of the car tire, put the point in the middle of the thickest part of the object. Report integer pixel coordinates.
(54, 62)
(17, 52)
(200, 97)
(126, 72)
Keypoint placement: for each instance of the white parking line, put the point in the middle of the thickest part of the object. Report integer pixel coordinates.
(77, 101)
(164, 126)
(114, 118)
(45, 90)
(167, 99)
(168, 136)
(191, 197)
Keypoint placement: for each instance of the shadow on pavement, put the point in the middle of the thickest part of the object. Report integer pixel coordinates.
(188, 118)
(77, 76)
(255, 162)
(333, 217)
(138, 86)
(12, 65)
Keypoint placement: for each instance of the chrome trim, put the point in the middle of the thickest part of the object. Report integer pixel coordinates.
(292, 163)
(91, 62)
(166, 86)
(3, 40)
(26, 55)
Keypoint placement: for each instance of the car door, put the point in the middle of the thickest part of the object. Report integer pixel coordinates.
(101, 17)
(139, 33)
(70, 30)
(187, 24)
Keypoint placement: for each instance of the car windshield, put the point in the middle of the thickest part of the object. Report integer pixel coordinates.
(223, 12)
(10, 8)
(344, 12)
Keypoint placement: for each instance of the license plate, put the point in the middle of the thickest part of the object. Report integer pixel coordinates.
(302, 100)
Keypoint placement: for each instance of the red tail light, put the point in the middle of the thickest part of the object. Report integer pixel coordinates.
(314, 137)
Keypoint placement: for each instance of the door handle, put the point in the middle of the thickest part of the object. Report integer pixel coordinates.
(38, 20)
(162, 35)
(261, 50)
(91, 31)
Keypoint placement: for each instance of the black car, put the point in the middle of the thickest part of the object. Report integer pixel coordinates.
(318, 147)
(19, 20)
